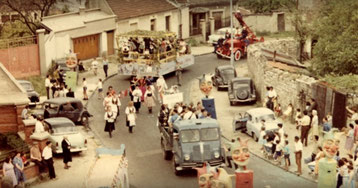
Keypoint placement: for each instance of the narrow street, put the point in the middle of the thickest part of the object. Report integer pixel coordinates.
(147, 168)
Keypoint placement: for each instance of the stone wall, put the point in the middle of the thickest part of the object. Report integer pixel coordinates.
(287, 84)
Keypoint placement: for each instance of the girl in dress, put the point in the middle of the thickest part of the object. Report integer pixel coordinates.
(149, 99)
(109, 117)
(130, 116)
(314, 124)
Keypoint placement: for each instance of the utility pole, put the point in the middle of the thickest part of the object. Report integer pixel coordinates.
(232, 37)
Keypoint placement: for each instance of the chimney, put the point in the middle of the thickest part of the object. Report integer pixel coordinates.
(82, 10)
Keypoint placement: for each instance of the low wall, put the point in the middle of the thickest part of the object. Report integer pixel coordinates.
(287, 82)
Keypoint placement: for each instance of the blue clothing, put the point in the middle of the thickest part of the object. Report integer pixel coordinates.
(174, 118)
(105, 63)
(327, 127)
(286, 150)
(20, 176)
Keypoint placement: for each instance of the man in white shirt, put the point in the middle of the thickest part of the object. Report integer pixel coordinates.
(48, 86)
(47, 156)
(298, 154)
(161, 86)
(95, 66)
(281, 132)
(39, 126)
(305, 127)
(188, 114)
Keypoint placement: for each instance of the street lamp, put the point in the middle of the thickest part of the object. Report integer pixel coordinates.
(232, 37)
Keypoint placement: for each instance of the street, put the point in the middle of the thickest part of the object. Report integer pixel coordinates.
(147, 168)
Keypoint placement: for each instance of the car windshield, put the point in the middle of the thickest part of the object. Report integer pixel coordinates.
(27, 86)
(267, 117)
(64, 128)
(190, 135)
(209, 134)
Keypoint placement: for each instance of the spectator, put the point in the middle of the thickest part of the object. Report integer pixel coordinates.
(48, 85)
(350, 139)
(47, 156)
(39, 127)
(94, 66)
(305, 127)
(100, 89)
(8, 171)
(262, 140)
(105, 66)
(19, 169)
(68, 107)
(70, 93)
(24, 159)
(314, 123)
(281, 132)
(286, 153)
(288, 112)
(298, 154)
(326, 126)
(353, 112)
(35, 156)
(84, 85)
(25, 113)
(66, 148)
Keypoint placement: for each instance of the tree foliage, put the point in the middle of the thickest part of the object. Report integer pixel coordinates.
(14, 29)
(337, 48)
(267, 6)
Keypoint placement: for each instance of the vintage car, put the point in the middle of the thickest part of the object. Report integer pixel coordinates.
(29, 88)
(222, 76)
(79, 114)
(219, 34)
(241, 90)
(191, 143)
(250, 122)
(58, 128)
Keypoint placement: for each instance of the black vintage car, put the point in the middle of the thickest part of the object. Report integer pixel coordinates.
(222, 76)
(241, 90)
(29, 88)
(77, 114)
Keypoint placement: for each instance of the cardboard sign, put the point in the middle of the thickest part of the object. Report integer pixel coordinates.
(172, 99)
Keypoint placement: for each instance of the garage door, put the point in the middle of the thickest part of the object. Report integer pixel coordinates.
(86, 47)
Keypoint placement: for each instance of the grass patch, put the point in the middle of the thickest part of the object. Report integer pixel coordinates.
(39, 84)
(283, 34)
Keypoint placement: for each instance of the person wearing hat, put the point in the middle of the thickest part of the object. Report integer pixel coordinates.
(35, 156)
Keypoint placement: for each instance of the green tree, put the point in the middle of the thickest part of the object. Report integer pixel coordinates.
(14, 29)
(337, 48)
(267, 6)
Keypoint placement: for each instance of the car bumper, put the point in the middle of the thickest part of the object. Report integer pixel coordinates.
(191, 165)
(73, 150)
(245, 100)
(223, 86)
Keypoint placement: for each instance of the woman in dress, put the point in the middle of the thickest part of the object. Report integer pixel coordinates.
(116, 104)
(130, 116)
(109, 117)
(66, 148)
(142, 86)
(149, 99)
(19, 168)
(350, 139)
(8, 170)
(137, 94)
(314, 124)
(133, 83)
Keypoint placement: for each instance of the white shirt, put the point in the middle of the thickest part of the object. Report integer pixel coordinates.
(281, 133)
(189, 115)
(47, 153)
(99, 85)
(107, 100)
(137, 94)
(298, 146)
(305, 121)
(94, 64)
(109, 116)
(161, 84)
(47, 82)
(39, 127)
(84, 83)
(314, 120)
(272, 94)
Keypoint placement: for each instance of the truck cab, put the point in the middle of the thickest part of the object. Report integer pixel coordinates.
(191, 143)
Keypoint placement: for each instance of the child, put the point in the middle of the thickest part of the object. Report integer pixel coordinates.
(298, 117)
(262, 140)
(286, 153)
(278, 152)
(100, 89)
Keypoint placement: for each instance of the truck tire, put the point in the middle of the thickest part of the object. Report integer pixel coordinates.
(167, 155)
(237, 55)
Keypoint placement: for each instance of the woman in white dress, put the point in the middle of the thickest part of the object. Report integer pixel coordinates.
(149, 99)
(314, 123)
(130, 116)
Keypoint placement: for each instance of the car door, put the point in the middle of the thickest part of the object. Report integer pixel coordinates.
(75, 114)
(240, 123)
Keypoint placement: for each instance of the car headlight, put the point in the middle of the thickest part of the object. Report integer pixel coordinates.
(186, 157)
(216, 154)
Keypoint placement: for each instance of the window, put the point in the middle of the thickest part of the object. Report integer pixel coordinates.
(209, 134)
(152, 24)
(190, 136)
(167, 23)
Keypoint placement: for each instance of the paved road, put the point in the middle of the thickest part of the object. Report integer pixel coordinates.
(147, 168)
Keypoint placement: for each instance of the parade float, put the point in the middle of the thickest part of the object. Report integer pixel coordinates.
(151, 53)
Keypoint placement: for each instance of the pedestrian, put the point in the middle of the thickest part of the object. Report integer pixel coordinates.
(35, 156)
(305, 127)
(286, 153)
(105, 66)
(100, 89)
(108, 99)
(94, 66)
(25, 112)
(39, 126)
(115, 104)
(8, 171)
(350, 139)
(262, 140)
(70, 93)
(66, 151)
(314, 123)
(161, 86)
(280, 131)
(178, 72)
(298, 154)
(84, 85)
(149, 99)
(19, 168)
(137, 94)
(326, 125)
(288, 112)
(48, 85)
(130, 116)
(109, 117)
(47, 156)
(132, 85)
(298, 117)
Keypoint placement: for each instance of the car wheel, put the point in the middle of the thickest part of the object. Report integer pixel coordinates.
(255, 137)
(244, 94)
(166, 154)
(175, 165)
(237, 55)
(84, 120)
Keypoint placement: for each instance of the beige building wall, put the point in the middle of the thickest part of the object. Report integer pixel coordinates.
(267, 22)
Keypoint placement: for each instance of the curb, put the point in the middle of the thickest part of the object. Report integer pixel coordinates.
(206, 53)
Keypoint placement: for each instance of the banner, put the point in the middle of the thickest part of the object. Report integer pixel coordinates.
(172, 99)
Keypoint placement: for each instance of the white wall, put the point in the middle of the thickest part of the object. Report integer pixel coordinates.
(266, 22)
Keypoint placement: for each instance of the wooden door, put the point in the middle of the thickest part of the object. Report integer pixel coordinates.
(280, 22)
(110, 42)
(218, 18)
(86, 47)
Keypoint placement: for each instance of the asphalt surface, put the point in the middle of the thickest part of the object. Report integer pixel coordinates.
(147, 168)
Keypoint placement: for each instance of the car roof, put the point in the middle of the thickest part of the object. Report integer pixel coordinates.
(260, 111)
(225, 67)
(196, 123)
(62, 100)
(58, 121)
(241, 79)
(24, 81)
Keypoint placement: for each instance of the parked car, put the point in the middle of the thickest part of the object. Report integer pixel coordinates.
(250, 122)
(220, 33)
(29, 88)
(223, 74)
(241, 90)
(191, 143)
(58, 128)
(79, 114)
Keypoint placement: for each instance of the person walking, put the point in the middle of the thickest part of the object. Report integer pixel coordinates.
(100, 89)
(84, 85)
(66, 151)
(149, 99)
(48, 85)
(47, 155)
(314, 124)
(130, 116)
(105, 66)
(350, 139)
(305, 127)
(137, 94)
(178, 72)
(161, 86)
(298, 154)
(115, 105)
(94, 66)
(8, 171)
(109, 117)
(286, 154)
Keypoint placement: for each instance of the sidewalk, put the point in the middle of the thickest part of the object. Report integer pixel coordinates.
(225, 114)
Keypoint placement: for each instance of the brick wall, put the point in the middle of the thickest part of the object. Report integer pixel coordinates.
(10, 118)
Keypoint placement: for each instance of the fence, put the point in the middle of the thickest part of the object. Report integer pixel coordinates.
(20, 56)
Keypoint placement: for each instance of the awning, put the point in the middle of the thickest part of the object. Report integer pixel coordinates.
(199, 10)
